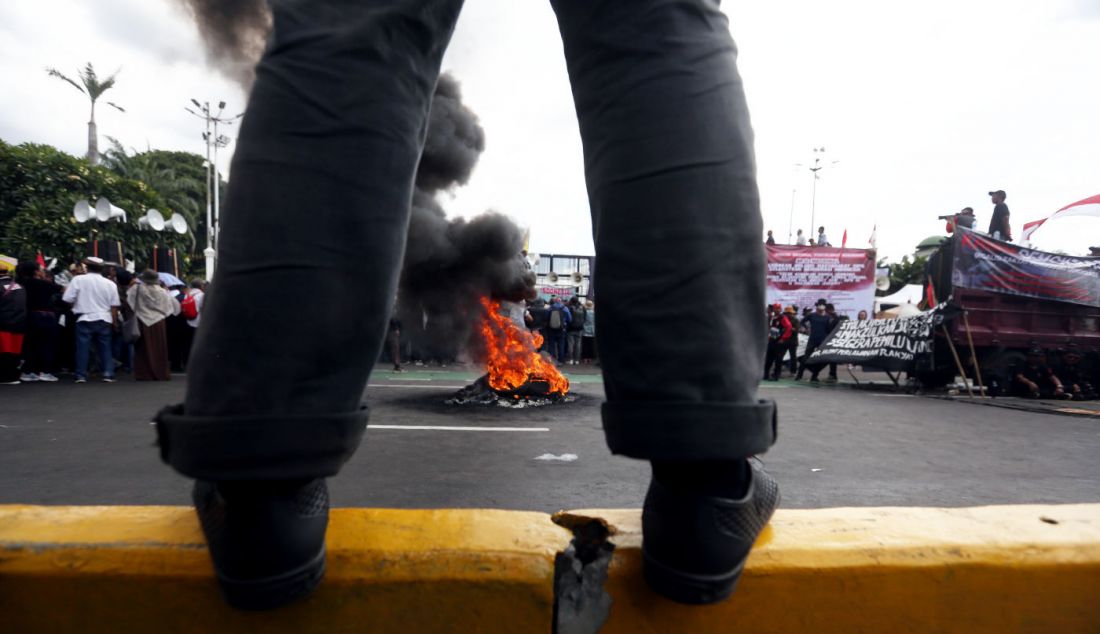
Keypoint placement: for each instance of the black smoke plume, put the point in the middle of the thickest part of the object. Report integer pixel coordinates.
(234, 32)
(449, 263)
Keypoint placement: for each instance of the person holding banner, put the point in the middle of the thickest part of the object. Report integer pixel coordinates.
(819, 325)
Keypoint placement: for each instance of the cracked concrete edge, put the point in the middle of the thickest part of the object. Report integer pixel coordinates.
(982, 569)
(581, 602)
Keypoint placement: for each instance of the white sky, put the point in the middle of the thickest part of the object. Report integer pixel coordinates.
(926, 106)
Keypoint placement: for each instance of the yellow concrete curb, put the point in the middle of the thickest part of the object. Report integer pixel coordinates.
(138, 569)
(971, 570)
(989, 569)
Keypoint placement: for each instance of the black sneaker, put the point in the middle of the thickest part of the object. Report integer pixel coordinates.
(267, 539)
(695, 546)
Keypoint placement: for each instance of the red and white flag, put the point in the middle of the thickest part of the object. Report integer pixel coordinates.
(873, 240)
(1086, 207)
(844, 239)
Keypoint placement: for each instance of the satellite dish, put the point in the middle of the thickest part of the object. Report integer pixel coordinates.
(82, 211)
(577, 277)
(553, 277)
(178, 223)
(153, 220)
(882, 282)
(105, 211)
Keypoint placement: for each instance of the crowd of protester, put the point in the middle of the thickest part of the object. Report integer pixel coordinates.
(1066, 379)
(94, 319)
(1033, 377)
(822, 240)
(783, 350)
(100, 319)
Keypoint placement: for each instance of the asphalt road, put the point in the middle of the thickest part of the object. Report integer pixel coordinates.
(92, 444)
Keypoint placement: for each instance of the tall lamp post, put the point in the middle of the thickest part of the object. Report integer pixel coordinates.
(819, 153)
(213, 141)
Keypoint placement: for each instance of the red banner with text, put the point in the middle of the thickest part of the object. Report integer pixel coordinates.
(803, 275)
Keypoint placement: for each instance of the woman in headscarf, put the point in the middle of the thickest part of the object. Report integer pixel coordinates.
(151, 305)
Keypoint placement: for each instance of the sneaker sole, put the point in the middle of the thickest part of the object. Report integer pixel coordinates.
(271, 592)
(690, 588)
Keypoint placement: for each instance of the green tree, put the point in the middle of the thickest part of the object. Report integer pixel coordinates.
(179, 177)
(905, 272)
(93, 88)
(39, 186)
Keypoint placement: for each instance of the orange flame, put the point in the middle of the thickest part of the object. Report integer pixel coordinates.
(512, 356)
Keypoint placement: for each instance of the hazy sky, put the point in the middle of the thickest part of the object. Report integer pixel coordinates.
(926, 106)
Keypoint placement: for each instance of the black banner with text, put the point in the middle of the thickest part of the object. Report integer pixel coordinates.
(890, 344)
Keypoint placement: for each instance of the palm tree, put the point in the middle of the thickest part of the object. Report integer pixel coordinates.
(91, 86)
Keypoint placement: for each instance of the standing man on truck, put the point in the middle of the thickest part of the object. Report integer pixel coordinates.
(998, 225)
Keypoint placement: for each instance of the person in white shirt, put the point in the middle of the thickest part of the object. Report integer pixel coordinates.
(822, 239)
(95, 302)
(800, 239)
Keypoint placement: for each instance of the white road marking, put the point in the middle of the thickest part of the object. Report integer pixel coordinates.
(420, 387)
(565, 457)
(444, 428)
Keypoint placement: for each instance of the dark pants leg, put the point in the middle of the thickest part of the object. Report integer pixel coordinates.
(810, 347)
(792, 350)
(9, 367)
(101, 339)
(771, 358)
(675, 214)
(41, 342)
(320, 197)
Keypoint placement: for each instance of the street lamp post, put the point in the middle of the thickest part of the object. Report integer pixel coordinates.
(819, 153)
(212, 141)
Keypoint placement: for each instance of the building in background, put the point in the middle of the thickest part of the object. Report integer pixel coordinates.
(564, 275)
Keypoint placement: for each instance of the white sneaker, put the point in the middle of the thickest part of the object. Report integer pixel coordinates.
(80, 379)
(46, 376)
(29, 377)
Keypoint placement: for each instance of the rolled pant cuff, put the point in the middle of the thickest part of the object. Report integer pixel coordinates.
(265, 447)
(689, 431)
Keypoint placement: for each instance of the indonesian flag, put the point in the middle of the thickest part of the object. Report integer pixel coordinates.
(844, 239)
(40, 260)
(873, 241)
(1086, 207)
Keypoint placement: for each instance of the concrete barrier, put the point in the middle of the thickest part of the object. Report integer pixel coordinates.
(988, 569)
(898, 570)
(146, 569)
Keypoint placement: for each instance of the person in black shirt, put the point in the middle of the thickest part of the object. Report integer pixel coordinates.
(43, 330)
(834, 321)
(1034, 378)
(819, 324)
(771, 238)
(1074, 379)
(998, 225)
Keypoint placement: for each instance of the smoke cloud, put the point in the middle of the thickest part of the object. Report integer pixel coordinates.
(234, 32)
(449, 263)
